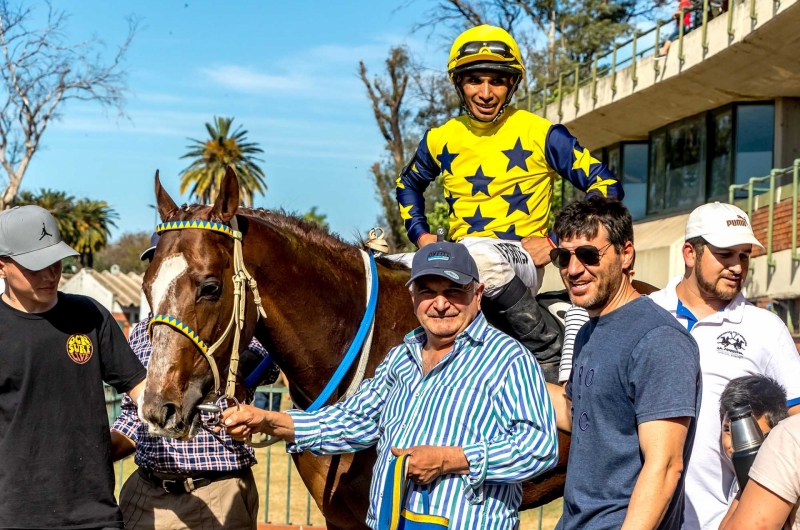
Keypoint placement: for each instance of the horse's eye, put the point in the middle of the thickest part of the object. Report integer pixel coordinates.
(209, 290)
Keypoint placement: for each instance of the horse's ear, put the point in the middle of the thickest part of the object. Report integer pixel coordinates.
(228, 199)
(166, 206)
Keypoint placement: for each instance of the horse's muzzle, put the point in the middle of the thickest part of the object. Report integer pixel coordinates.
(169, 419)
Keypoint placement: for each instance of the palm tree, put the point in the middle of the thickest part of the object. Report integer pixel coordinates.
(93, 220)
(211, 157)
(85, 225)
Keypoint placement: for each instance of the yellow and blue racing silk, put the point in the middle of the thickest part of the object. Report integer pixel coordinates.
(498, 177)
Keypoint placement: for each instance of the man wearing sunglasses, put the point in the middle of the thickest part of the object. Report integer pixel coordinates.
(498, 165)
(633, 397)
(736, 339)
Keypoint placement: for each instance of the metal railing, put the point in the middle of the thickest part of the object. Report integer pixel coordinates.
(589, 72)
(774, 183)
(113, 401)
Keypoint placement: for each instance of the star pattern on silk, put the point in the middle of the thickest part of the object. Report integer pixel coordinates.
(508, 235)
(477, 222)
(602, 185)
(451, 202)
(517, 201)
(480, 182)
(446, 159)
(517, 156)
(405, 211)
(584, 161)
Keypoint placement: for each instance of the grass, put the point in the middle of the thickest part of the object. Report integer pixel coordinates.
(285, 487)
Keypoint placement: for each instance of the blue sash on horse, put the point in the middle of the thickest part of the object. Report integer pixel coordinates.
(395, 491)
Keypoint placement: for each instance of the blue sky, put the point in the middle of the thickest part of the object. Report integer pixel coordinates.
(287, 71)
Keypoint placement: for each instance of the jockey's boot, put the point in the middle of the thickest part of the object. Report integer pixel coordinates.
(516, 312)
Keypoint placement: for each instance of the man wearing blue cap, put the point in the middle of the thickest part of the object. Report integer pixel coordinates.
(56, 350)
(466, 402)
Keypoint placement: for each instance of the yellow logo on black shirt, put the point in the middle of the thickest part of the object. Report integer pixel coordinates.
(79, 348)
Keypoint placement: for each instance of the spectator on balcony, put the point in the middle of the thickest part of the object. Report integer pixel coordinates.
(735, 339)
(685, 6)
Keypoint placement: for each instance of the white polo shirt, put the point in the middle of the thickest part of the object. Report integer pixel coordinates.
(740, 340)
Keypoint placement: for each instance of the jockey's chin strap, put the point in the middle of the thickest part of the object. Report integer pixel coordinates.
(241, 280)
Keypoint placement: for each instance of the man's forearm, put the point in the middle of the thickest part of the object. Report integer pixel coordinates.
(278, 424)
(562, 407)
(121, 446)
(652, 494)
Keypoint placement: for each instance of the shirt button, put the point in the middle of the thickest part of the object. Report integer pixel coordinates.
(416, 395)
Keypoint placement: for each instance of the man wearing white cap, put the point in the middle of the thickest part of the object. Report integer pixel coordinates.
(56, 350)
(735, 339)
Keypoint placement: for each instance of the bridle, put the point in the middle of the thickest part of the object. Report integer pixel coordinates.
(241, 278)
(362, 342)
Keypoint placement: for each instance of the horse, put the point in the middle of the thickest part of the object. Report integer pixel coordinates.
(313, 291)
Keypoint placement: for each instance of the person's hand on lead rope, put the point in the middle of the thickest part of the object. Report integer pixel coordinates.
(427, 462)
(243, 420)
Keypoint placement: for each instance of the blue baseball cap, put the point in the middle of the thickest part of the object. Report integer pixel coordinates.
(445, 259)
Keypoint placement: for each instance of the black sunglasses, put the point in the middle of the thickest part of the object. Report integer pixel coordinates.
(586, 254)
(471, 48)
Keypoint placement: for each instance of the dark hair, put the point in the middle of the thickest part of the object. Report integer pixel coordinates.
(699, 245)
(583, 218)
(764, 395)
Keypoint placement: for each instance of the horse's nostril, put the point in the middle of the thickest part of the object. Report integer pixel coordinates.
(167, 412)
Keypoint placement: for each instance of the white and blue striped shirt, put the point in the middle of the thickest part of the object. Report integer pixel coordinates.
(487, 395)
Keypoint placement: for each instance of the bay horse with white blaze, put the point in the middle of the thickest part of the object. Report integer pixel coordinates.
(313, 292)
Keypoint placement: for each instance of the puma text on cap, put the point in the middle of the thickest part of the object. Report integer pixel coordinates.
(721, 224)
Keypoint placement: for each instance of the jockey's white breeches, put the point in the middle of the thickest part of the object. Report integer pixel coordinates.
(498, 262)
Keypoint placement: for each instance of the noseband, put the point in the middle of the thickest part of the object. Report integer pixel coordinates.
(240, 278)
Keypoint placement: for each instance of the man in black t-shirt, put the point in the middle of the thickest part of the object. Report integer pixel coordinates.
(56, 350)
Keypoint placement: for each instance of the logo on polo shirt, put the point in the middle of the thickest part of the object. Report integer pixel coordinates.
(80, 348)
(739, 221)
(731, 344)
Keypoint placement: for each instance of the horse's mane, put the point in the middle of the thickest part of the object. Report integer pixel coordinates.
(311, 231)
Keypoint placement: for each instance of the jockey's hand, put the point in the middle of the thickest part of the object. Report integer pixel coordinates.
(539, 249)
(424, 239)
(242, 421)
(427, 462)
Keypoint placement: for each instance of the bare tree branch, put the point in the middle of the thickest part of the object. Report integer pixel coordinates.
(38, 73)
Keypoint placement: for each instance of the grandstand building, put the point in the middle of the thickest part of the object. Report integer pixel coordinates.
(717, 118)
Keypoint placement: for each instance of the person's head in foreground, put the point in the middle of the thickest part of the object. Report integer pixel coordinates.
(31, 251)
(764, 395)
(595, 253)
(445, 290)
(486, 68)
(719, 241)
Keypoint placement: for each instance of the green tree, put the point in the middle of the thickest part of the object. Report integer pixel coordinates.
(84, 224)
(406, 101)
(316, 217)
(124, 252)
(209, 159)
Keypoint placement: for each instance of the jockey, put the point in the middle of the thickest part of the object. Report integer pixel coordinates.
(499, 164)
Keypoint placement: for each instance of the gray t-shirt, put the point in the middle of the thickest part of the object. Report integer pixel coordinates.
(634, 365)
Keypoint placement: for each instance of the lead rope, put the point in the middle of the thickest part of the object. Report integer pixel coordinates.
(377, 242)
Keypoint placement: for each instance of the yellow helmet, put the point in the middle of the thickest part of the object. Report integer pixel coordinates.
(485, 48)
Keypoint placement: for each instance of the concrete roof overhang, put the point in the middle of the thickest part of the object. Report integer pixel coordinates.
(760, 61)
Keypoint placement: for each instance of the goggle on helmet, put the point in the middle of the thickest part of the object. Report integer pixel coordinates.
(485, 48)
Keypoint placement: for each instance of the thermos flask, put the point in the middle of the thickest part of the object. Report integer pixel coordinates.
(746, 438)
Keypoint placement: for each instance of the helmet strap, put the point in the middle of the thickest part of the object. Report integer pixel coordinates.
(460, 92)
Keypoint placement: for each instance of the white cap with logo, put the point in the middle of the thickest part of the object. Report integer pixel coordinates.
(722, 225)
